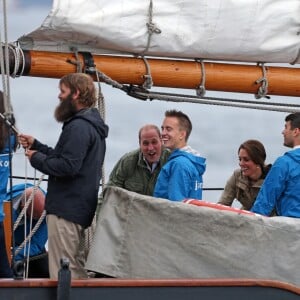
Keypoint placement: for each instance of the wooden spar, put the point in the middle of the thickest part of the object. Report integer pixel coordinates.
(168, 73)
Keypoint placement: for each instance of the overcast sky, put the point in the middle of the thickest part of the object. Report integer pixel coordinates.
(19, 4)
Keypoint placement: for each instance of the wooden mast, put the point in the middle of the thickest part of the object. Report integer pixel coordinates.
(168, 73)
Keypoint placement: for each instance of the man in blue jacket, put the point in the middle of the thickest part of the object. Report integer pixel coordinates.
(181, 176)
(281, 188)
(74, 169)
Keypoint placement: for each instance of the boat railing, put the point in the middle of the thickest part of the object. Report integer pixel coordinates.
(45, 179)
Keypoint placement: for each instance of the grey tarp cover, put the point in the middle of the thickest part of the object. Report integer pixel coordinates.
(144, 237)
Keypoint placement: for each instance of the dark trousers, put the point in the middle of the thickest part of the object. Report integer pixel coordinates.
(5, 269)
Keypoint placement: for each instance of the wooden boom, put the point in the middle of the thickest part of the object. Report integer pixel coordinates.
(167, 73)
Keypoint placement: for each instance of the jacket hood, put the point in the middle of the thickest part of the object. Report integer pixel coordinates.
(196, 159)
(294, 154)
(92, 116)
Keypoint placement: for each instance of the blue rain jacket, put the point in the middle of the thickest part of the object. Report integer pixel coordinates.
(181, 177)
(40, 237)
(5, 172)
(281, 188)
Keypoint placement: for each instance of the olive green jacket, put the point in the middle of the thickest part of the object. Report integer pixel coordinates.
(242, 189)
(131, 173)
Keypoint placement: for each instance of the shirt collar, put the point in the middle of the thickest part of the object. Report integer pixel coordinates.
(152, 167)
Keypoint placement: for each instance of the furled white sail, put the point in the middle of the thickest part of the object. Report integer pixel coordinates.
(234, 30)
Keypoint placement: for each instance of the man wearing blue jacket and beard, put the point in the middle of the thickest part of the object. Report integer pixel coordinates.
(281, 188)
(74, 169)
(181, 176)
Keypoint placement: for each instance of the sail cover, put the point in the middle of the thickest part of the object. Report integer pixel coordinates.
(247, 30)
(144, 237)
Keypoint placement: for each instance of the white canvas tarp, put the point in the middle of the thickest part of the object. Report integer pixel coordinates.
(144, 237)
(254, 31)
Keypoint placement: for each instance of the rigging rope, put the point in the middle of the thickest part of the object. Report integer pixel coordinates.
(32, 231)
(5, 70)
(89, 232)
(4, 63)
(27, 203)
(259, 105)
(89, 68)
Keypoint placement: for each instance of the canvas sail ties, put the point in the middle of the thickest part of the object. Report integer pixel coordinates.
(201, 91)
(263, 89)
(152, 28)
(148, 83)
(76, 62)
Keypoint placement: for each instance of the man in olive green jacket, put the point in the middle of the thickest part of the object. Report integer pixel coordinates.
(137, 170)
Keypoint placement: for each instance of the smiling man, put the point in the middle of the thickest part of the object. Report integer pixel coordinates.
(181, 177)
(137, 170)
(281, 188)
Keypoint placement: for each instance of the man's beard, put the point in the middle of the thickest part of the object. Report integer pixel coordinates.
(65, 110)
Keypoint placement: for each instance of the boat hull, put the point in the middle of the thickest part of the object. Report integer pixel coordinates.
(115, 289)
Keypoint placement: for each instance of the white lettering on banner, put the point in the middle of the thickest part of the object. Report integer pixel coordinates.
(198, 185)
(4, 163)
